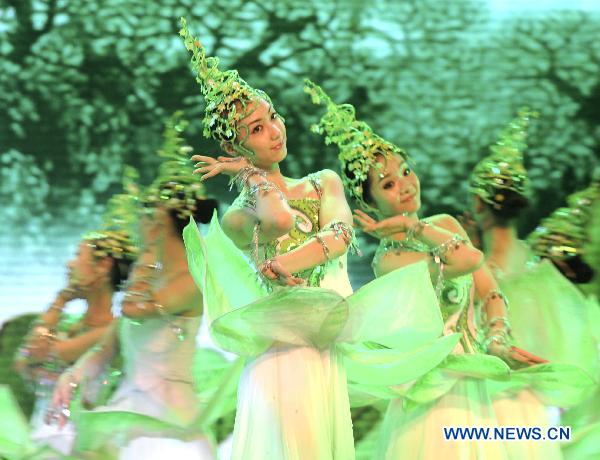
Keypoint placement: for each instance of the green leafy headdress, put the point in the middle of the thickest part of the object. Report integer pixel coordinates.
(503, 169)
(358, 144)
(226, 94)
(117, 236)
(566, 231)
(175, 187)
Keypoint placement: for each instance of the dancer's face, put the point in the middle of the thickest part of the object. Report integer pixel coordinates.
(263, 132)
(85, 270)
(394, 187)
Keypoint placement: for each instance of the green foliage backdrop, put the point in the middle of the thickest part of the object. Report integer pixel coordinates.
(85, 87)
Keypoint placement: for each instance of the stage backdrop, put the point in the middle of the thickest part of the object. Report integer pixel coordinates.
(85, 87)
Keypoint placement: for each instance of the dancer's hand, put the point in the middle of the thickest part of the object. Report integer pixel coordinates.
(59, 411)
(523, 358)
(39, 342)
(274, 271)
(210, 167)
(384, 228)
(515, 357)
(39, 347)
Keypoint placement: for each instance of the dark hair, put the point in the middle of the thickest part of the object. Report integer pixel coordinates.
(509, 208)
(203, 214)
(366, 183)
(119, 272)
(581, 272)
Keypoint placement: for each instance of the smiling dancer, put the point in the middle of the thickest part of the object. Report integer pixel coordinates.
(377, 174)
(286, 304)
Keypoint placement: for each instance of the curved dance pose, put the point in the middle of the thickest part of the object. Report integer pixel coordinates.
(162, 309)
(378, 175)
(277, 289)
(537, 293)
(96, 272)
(566, 239)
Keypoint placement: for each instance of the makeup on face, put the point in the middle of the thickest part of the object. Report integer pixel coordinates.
(266, 138)
(395, 187)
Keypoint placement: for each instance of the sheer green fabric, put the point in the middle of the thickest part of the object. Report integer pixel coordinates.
(15, 441)
(245, 320)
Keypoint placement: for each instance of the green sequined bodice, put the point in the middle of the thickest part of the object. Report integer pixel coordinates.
(306, 213)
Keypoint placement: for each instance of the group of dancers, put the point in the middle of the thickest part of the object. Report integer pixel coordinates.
(463, 326)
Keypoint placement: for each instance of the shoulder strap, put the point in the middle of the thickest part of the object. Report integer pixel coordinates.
(315, 180)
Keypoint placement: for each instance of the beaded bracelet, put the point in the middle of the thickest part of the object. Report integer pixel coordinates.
(451, 245)
(249, 195)
(346, 232)
(500, 337)
(241, 178)
(415, 230)
(323, 244)
(495, 294)
(55, 307)
(498, 319)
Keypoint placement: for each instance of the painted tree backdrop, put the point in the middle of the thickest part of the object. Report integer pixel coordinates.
(85, 87)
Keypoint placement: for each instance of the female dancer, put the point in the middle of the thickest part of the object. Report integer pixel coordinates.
(292, 396)
(378, 176)
(161, 310)
(537, 293)
(566, 238)
(95, 274)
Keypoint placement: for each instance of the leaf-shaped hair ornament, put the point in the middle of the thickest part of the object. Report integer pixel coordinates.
(226, 94)
(503, 170)
(118, 233)
(567, 231)
(358, 145)
(175, 186)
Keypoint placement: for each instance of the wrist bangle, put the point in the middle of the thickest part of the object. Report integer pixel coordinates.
(451, 245)
(267, 267)
(67, 291)
(500, 337)
(241, 178)
(55, 307)
(323, 244)
(415, 230)
(136, 296)
(499, 319)
(345, 232)
(493, 295)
